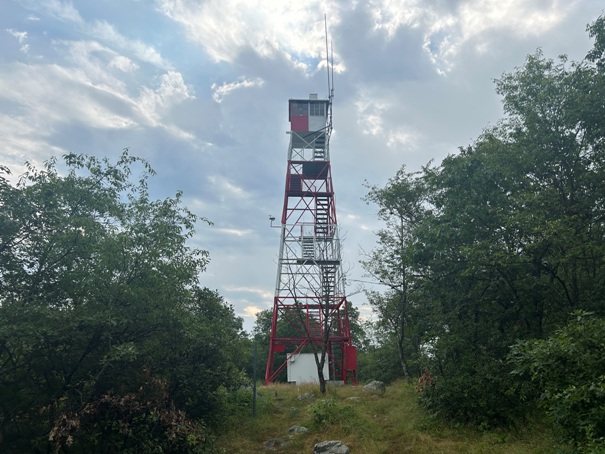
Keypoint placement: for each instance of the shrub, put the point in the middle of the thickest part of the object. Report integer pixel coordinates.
(142, 421)
(568, 373)
(477, 392)
(328, 412)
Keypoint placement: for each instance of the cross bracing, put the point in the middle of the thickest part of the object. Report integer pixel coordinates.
(310, 287)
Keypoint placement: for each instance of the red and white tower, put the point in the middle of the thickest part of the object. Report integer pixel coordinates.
(310, 306)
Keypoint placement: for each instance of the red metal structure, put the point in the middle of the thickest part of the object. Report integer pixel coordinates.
(310, 306)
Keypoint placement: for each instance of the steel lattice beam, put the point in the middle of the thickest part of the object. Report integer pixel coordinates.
(310, 307)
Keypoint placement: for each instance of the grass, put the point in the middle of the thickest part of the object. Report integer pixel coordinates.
(391, 423)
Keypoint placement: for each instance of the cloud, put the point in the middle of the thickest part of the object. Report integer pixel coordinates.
(40, 90)
(122, 63)
(21, 38)
(226, 187)
(256, 291)
(107, 33)
(172, 90)
(225, 27)
(23, 138)
(88, 94)
(447, 29)
(372, 112)
(235, 232)
(106, 77)
(247, 299)
(94, 62)
(102, 68)
(389, 16)
(251, 311)
(295, 29)
(99, 30)
(220, 91)
(63, 11)
(402, 136)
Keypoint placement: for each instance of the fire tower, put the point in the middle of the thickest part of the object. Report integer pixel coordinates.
(310, 307)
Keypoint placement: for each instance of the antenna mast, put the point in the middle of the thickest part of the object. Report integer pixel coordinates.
(330, 79)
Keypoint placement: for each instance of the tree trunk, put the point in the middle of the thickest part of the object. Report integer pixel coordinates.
(322, 383)
(402, 360)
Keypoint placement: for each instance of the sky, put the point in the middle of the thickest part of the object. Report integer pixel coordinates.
(200, 89)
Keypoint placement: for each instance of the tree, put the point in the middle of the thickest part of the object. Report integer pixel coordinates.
(400, 206)
(99, 301)
(518, 237)
(262, 333)
(377, 359)
(508, 239)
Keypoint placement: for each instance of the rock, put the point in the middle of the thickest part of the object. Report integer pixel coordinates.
(375, 387)
(331, 447)
(354, 399)
(274, 443)
(306, 396)
(271, 444)
(297, 430)
(278, 443)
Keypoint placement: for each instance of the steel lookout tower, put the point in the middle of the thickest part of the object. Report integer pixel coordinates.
(310, 313)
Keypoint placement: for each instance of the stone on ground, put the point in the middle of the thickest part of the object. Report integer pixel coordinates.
(375, 387)
(331, 447)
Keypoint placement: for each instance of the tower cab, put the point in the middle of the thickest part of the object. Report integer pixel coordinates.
(308, 121)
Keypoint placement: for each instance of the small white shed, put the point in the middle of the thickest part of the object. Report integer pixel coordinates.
(302, 369)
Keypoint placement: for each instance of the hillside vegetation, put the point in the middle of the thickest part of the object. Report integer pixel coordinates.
(391, 423)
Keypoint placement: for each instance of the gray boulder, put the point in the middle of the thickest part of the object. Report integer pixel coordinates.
(306, 396)
(331, 447)
(276, 443)
(297, 430)
(375, 387)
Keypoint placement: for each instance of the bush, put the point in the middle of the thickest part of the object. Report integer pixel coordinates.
(471, 379)
(142, 421)
(478, 392)
(568, 373)
(328, 412)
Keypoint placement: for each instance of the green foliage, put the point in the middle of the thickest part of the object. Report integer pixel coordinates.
(501, 242)
(401, 206)
(97, 285)
(324, 411)
(377, 362)
(208, 359)
(358, 332)
(262, 334)
(567, 371)
(330, 412)
(142, 421)
(477, 394)
(237, 404)
(392, 423)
